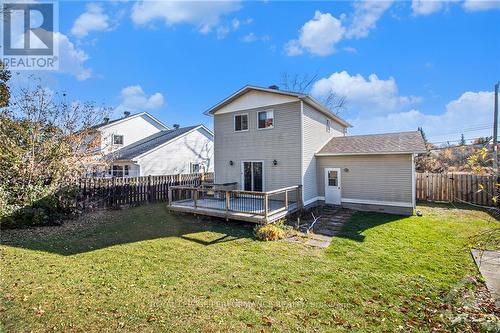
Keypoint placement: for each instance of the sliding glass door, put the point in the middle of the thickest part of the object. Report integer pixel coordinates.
(253, 179)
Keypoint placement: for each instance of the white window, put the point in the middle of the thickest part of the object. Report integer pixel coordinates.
(241, 122)
(120, 170)
(117, 139)
(265, 119)
(328, 125)
(194, 168)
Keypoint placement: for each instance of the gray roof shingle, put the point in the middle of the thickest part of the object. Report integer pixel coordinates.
(388, 143)
(148, 143)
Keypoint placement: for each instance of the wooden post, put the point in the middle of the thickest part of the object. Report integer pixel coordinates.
(266, 206)
(150, 194)
(286, 200)
(300, 204)
(169, 195)
(195, 198)
(227, 201)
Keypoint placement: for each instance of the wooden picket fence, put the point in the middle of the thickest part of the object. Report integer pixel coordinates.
(457, 187)
(103, 193)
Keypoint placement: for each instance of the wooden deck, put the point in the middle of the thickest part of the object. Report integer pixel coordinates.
(257, 207)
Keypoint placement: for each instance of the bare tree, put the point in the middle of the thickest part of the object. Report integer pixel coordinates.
(47, 143)
(303, 83)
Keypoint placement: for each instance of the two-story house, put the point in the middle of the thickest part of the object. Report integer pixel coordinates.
(266, 139)
(141, 145)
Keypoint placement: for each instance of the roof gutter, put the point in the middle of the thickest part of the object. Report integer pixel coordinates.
(370, 153)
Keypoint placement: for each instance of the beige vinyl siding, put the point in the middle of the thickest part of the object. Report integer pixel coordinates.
(281, 143)
(315, 137)
(381, 178)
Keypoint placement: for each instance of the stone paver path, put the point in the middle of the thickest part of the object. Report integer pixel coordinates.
(330, 222)
(488, 263)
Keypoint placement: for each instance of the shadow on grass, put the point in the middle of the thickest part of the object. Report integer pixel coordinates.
(362, 221)
(129, 226)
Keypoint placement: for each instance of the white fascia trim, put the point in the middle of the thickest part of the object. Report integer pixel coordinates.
(168, 142)
(413, 182)
(302, 147)
(376, 202)
(135, 116)
(317, 105)
(367, 153)
(216, 107)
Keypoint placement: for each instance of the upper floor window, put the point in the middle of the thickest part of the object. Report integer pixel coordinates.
(265, 119)
(117, 139)
(241, 122)
(328, 125)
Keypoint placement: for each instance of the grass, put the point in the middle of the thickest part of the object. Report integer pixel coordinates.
(143, 269)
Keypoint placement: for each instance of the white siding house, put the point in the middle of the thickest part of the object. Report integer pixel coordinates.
(141, 145)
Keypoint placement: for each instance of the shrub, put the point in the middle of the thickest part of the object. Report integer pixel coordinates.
(269, 232)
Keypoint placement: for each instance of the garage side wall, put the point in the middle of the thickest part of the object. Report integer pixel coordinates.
(372, 182)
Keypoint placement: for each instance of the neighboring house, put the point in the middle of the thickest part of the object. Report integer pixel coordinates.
(175, 151)
(266, 139)
(118, 133)
(141, 145)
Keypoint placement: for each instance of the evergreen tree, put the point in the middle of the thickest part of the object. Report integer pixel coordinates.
(462, 140)
(421, 130)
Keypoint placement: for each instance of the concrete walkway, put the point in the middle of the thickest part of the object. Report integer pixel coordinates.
(488, 263)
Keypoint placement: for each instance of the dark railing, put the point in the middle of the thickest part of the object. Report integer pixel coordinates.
(236, 201)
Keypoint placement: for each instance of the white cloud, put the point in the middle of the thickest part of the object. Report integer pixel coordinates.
(224, 29)
(71, 59)
(317, 36)
(366, 15)
(472, 110)
(93, 19)
(371, 95)
(134, 98)
(205, 15)
(478, 5)
(426, 7)
(251, 37)
(320, 35)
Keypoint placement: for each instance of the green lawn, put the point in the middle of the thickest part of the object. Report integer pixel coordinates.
(143, 269)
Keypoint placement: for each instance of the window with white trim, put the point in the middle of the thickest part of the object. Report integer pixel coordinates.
(194, 168)
(117, 139)
(120, 170)
(328, 125)
(265, 119)
(241, 122)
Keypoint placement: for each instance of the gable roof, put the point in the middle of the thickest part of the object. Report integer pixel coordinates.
(134, 115)
(300, 96)
(388, 143)
(151, 142)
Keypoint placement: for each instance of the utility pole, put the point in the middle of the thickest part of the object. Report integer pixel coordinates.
(495, 126)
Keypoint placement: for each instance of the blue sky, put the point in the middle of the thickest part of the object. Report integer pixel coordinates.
(399, 64)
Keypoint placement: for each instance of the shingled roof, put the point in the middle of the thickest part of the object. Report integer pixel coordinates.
(388, 143)
(148, 143)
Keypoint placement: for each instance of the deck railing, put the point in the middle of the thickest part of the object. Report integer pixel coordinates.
(237, 201)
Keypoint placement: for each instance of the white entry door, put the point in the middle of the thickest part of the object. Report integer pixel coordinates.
(332, 186)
